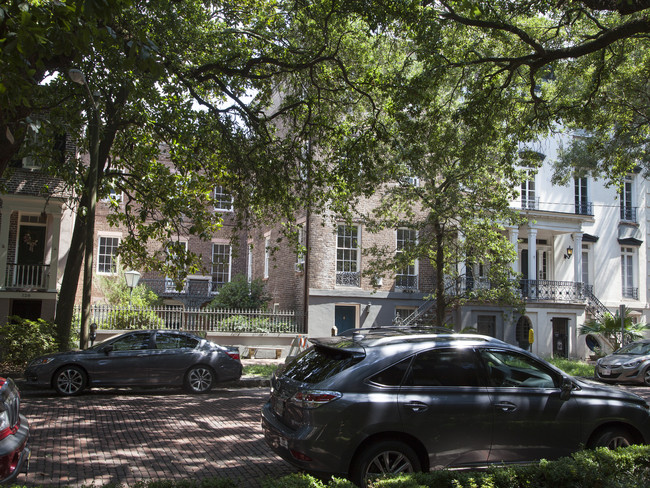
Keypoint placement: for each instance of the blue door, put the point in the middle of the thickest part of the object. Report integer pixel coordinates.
(345, 317)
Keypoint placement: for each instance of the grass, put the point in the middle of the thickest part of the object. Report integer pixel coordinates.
(573, 367)
(264, 370)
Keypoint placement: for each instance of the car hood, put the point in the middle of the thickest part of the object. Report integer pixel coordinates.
(618, 359)
(598, 390)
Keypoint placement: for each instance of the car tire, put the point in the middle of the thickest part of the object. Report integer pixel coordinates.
(613, 438)
(199, 379)
(384, 458)
(70, 380)
(646, 376)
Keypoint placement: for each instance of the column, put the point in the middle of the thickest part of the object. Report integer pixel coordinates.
(577, 257)
(532, 262)
(5, 214)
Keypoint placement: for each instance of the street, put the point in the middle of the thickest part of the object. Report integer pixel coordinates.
(113, 436)
(124, 436)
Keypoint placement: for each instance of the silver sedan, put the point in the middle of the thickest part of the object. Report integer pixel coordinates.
(630, 364)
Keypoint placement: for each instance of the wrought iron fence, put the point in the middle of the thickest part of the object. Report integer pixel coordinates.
(196, 319)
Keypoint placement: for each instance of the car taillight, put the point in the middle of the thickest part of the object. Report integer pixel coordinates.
(234, 355)
(314, 398)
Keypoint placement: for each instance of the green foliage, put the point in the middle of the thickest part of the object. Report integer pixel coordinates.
(131, 319)
(22, 340)
(201, 483)
(247, 323)
(573, 367)
(118, 294)
(240, 294)
(610, 329)
(265, 370)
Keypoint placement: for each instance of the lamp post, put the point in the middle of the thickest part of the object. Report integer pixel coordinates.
(131, 278)
(78, 77)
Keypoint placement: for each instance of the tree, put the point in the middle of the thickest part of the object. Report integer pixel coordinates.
(150, 68)
(453, 164)
(610, 329)
(241, 294)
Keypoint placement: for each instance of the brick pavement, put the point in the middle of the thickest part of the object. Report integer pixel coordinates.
(121, 437)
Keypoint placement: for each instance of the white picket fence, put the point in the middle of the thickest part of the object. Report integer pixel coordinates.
(208, 320)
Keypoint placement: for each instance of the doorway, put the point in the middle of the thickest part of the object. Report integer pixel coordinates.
(345, 317)
(560, 337)
(30, 256)
(27, 309)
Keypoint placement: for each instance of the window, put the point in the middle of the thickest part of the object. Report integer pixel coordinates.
(628, 211)
(627, 273)
(402, 313)
(249, 263)
(107, 255)
(507, 369)
(175, 341)
(406, 277)
(220, 265)
(585, 264)
(267, 255)
(392, 376)
(444, 367)
(582, 204)
(174, 249)
(222, 200)
(528, 201)
(347, 256)
(132, 342)
(300, 255)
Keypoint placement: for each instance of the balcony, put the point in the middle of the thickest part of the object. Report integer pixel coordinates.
(27, 276)
(584, 208)
(630, 292)
(348, 278)
(406, 283)
(552, 291)
(628, 214)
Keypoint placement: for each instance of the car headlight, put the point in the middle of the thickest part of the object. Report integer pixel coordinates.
(631, 364)
(41, 361)
(4, 424)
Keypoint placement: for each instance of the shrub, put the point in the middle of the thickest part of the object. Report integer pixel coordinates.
(131, 319)
(22, 339)
(244, 323)
(240, 294)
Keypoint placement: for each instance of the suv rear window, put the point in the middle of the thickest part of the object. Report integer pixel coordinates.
(319, 363)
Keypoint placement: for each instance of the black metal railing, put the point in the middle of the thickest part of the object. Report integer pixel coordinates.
(348, 278)
(547, 290)
(406, 282)
(584, 208)
(628, 214)
(190, 286)
(630, 292)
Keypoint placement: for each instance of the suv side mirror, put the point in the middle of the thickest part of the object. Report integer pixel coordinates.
(566, 388)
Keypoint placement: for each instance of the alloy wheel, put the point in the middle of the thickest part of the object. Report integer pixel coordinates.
(200, 379)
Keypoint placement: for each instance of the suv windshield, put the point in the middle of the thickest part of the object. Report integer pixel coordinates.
(319, 363)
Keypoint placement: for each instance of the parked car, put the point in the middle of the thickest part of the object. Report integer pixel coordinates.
(383, 402)
(138, 358)
(14, 433)
(629, 364)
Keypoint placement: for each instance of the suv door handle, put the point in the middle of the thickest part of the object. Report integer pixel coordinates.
(417, 406)
(506, 406)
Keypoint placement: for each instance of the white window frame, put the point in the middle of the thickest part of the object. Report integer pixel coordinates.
(267, 255)
(626, 196)
(581, 195)
(170, 286)
(223, 199)
(102, 256)
(221, 245)
(412, 270)
(628, 272)
(528, 195)
(348, 256)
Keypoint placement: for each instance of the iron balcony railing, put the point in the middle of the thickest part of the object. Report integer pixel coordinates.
(628, 214)
(348, 278)
(631, 292)
(27, 276)
(191, 286)
(406, 282)
(584, 208)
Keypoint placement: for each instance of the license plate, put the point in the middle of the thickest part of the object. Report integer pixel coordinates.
(605, 372)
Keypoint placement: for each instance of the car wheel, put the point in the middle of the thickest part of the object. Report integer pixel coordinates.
(384, 458)
(199, 379)
(70, 380)
(613, 438)
(646, 376)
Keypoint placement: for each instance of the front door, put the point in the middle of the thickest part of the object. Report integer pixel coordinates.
(560, 337)
(345, 317)
(31, 253)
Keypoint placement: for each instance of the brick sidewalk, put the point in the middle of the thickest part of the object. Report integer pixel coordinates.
(111, 436)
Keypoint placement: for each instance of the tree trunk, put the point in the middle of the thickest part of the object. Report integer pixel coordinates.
(441, 302)
(69, 283)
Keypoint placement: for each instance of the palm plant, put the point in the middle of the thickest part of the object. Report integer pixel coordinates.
(610, 328)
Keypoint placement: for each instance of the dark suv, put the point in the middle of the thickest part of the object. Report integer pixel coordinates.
(382, 403)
